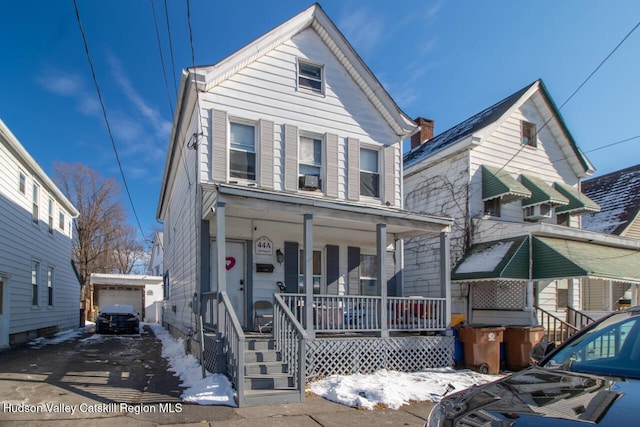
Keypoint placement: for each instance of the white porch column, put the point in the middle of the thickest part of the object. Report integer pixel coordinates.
(381, 252)
(610, 295)
(445, 275)
(221, 253)
(221, 247)
(308, 272)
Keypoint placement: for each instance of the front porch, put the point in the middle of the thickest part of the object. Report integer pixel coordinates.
(333, 271)
(345, 335)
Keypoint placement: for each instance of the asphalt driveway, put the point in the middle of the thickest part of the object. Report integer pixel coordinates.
(98, 379)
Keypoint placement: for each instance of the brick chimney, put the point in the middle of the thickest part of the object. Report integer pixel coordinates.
(425, 134)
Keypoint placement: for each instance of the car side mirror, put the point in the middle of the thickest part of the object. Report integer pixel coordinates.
(540, 350)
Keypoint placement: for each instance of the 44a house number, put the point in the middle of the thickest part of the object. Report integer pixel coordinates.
(264, 246)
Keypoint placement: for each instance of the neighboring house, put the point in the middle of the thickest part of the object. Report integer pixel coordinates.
(618, 194)
(510, 175)
(39, 289)
(283, 183)
(157, 252)
(142, 292)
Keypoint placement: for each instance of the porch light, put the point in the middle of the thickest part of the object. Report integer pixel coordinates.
(279, 256)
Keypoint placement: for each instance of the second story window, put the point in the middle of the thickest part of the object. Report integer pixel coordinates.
(529, 134)
(22, 183)
(492, 207)
(310, 165)
(310, 76)
(369, 173)
(35, 211)
(61, 221)
(51, 205)
(242, 155)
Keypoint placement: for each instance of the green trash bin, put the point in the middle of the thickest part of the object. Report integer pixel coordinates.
(482, 347)
(518, 342)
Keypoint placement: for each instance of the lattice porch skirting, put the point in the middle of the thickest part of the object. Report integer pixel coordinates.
(346, 356)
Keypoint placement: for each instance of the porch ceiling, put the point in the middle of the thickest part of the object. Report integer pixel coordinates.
(253, 203)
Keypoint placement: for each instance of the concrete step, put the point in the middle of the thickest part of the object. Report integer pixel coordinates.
(269, 382)
(265, 368)
(271, 397)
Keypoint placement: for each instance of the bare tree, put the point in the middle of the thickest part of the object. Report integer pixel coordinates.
(103, 242)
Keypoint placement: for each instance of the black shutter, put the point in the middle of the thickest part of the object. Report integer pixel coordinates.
(333, 268)
(291, 268)
(353, 265)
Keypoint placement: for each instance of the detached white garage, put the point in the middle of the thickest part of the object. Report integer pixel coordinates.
(108, 289)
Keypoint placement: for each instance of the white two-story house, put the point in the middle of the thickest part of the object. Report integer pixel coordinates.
(283, 183)
(510, 176)
(39, 289)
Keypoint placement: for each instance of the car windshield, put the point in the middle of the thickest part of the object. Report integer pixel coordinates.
(610, 347)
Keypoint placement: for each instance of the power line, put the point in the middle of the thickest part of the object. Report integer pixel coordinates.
(612, 144)
(173, 64)
(164, 69)
(574, 93)
(104, 115)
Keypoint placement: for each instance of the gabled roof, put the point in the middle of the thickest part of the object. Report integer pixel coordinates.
(618, 194)
(486, 118)
(314, 17)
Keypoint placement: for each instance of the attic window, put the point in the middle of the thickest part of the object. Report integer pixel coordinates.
(529, 134)
(310, 76)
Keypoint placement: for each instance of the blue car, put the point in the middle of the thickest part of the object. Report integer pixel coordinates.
(593, 378)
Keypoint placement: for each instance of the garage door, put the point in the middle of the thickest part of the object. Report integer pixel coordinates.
(121, 295)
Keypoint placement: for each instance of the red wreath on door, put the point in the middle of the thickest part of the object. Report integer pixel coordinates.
(231, 261)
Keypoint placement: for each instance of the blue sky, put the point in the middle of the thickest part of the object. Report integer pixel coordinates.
(444, 60)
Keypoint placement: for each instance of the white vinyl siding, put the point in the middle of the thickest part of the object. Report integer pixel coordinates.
(22, 243)
(332, 165)
(266, 89)
(503, 148)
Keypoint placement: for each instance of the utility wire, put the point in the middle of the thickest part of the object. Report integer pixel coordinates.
(104, 114)
(164, 69)
(574, 93)
(173, 64)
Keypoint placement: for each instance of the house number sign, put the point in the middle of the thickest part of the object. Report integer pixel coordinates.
(264, 246)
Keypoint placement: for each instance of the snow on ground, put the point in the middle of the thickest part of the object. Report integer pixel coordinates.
(394, 389)
(214, 389)
(384, 388)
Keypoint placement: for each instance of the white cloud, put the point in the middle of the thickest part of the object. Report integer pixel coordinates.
(364, 28)
(160, 126)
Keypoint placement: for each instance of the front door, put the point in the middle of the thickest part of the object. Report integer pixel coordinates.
(4, 312)
(236, 283)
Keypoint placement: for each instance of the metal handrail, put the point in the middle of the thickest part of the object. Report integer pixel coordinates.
(557, 330)
(290, 339)
(233, 341)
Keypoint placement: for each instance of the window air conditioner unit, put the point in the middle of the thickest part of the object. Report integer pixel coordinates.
(537, 211)
(309, 182)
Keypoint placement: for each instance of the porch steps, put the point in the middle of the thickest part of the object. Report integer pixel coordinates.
(266, 377)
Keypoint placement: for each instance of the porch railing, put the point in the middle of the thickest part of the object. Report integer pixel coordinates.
(209, 309)
(355, 313)
(557, 330)
(233, 345)
(290, 339)
(577, 318)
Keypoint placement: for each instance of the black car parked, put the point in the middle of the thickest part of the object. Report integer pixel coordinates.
(118, 318)
(592, 378)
